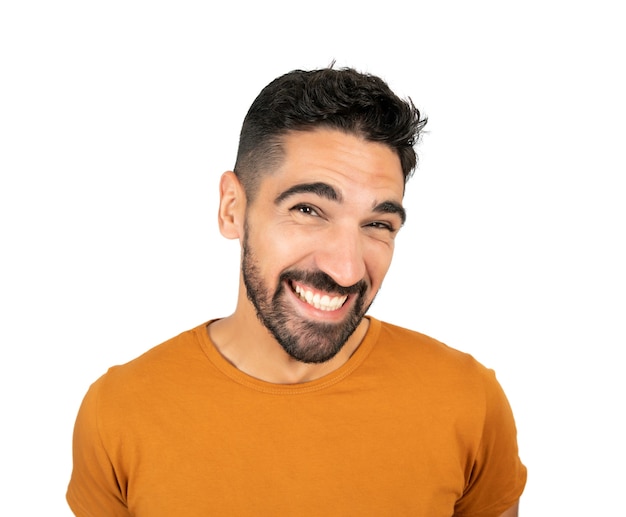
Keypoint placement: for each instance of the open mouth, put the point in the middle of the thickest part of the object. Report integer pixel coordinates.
(322, 302)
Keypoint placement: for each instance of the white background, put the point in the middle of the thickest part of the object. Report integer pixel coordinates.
(117, 118)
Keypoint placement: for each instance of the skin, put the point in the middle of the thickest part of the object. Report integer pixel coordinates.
(513, 511)
(344, 227)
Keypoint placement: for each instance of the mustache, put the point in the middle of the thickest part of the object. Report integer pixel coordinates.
(323, 282)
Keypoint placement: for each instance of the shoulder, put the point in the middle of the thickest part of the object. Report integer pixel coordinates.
(145, 392)
(160, 369)
(426, 365)
(425, 351)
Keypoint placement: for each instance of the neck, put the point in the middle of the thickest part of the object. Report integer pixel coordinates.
(243, 341)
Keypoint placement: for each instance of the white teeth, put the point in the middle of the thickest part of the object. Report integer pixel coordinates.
(323, 303)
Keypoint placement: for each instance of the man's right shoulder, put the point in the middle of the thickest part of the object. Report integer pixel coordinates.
(167, 362)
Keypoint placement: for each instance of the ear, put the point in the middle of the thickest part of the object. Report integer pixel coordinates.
(232, 209)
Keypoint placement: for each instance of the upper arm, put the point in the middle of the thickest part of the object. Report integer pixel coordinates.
(93, 486)
(497, 476)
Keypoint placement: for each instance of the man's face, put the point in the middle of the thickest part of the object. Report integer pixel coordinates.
(319, 238)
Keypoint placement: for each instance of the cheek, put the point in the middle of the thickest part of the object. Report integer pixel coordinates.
(378, 263)
(280, 249)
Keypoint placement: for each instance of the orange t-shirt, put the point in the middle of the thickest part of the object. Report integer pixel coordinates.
(408, 426)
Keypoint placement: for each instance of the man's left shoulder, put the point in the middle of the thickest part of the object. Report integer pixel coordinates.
(419, 342)
(426, 352)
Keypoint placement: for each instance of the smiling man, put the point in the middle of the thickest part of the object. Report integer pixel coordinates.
(298, 403)
(317, 242)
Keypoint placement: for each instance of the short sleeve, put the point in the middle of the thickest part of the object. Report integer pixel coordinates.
(93, 490)
(498, 476)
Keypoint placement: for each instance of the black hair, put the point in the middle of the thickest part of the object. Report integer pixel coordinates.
(343, 99)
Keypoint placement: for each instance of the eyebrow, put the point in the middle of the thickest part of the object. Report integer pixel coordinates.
(319, 189)
(327, 191)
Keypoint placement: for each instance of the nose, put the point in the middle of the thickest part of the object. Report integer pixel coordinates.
(340, 255)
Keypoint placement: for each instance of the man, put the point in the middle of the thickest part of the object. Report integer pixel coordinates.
(298, 404)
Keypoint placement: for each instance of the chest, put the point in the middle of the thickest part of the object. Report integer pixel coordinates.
(353, 453)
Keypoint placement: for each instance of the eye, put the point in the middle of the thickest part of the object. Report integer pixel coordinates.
(305, 209)
(382, 225)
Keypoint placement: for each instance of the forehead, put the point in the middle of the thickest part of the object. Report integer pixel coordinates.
(346, 161)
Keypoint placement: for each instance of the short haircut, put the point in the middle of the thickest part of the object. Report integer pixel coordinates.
(342, 99)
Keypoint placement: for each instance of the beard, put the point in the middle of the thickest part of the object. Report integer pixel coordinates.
(304, 340)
